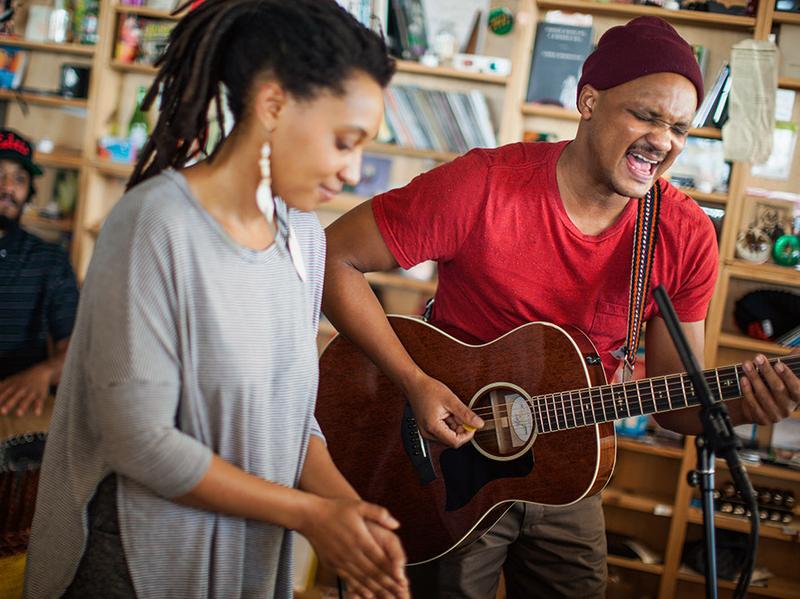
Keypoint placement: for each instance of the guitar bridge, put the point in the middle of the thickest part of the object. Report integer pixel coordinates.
(416, 447)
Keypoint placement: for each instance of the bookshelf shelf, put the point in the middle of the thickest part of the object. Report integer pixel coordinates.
(633, 564)
(42, 99)
(734, 341)
(128, 67)
(143, 11)
(766, 273)
(409, 66)
(789, 18)
(776, 587)
(637, 502)
(768, 531)
(396, 150)
(635, 10)
(75, 49)
(701, 196)
(33, 219)
(60, 158)
(707, 132)
(548, 111)
(657, 449)
(112, 169)
(771, 471)
(789, 83)
(382, 279)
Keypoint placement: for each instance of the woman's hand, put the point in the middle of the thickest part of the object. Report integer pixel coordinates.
(355, 539)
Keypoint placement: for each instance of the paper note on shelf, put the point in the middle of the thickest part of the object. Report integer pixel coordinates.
(747, 135)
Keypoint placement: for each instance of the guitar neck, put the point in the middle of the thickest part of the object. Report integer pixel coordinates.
(595, 405)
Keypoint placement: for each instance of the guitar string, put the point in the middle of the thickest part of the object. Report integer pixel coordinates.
(672, 385)
(612, 405)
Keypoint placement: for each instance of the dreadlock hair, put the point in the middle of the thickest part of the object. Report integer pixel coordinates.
(307, 46)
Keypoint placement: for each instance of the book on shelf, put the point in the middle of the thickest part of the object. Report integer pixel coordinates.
(701, 54)
(558, 56)
(406, 29)
(439, 120)
(13, 63)
(370, 13)
(713, 110)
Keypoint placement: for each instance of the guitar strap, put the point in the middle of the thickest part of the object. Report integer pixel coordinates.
(645, 237)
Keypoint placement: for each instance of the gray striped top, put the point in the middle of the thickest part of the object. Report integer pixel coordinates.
(185, 343)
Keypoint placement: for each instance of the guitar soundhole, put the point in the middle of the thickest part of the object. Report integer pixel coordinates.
(510, 427)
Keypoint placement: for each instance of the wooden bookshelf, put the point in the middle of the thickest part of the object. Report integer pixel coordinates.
(689, 17)
(408, 66)
(550, 111)
(633, 564)
(396, 150)
(710, 197)
(144, 11)
(789, 83)
(789, 18)
(108, 168)
(60, 158)
(43, 99)
(650, 448)
(33, 219)
(659, 506)
(383, 279)
(766, 273)
(132, 67)
(707, 132)
(741, 524)
(776, 587)
(74, 49)
(735, 341)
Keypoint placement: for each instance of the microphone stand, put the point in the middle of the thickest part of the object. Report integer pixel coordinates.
(717, 437)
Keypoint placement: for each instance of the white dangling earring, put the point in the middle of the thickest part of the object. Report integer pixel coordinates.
(264, 193)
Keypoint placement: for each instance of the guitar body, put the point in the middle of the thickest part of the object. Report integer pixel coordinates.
(446, 498)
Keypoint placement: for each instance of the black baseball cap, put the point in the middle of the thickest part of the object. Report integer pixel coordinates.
(15, 147)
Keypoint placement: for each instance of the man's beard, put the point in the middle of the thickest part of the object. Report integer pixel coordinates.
(8, 224)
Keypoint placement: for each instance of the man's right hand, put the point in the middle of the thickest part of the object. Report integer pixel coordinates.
(355, 539)
(440, 415)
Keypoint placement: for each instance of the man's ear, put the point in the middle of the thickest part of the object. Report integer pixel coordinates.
(587, 101)
(268, 102)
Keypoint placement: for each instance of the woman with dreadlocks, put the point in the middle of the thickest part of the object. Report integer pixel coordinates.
(184, 445)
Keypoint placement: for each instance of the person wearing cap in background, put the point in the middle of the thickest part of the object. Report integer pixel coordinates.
(544, 232)
(38, 291)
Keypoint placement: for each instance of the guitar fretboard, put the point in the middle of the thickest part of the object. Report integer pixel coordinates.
(595, 405)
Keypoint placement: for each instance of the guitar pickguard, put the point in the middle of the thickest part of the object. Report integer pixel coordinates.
(465, 471)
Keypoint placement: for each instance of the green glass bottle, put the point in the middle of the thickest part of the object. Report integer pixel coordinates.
(138, 126)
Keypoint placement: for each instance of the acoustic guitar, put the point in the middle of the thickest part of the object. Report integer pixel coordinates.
(548, 436)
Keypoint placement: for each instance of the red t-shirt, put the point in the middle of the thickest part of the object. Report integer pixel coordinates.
(508, 253)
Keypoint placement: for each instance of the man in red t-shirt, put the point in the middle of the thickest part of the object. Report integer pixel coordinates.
(544, 232)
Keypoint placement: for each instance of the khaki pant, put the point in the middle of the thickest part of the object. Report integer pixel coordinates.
(544, 552)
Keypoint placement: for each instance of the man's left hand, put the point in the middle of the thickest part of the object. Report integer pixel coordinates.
(769, 393)
(24, 390)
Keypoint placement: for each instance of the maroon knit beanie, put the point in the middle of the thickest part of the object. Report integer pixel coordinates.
(643, 46)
